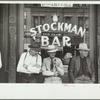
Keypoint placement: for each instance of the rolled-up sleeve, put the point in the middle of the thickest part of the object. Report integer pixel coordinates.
(60, 68)
(20, 67)
(43, 66)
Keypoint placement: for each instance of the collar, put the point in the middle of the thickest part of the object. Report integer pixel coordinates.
(81, 56)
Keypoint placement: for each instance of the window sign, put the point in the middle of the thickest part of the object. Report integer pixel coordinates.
(59, 27)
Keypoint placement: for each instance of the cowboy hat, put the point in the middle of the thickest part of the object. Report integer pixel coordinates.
(52, 48)
(83, 46)
(35, 45)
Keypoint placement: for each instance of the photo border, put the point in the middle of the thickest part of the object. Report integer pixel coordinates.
(49, 91)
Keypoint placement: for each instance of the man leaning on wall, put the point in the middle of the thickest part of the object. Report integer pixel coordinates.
(81, 67)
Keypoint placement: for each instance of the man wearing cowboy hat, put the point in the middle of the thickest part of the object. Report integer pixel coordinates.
(30, 63)
(81, 67)
(52, 67)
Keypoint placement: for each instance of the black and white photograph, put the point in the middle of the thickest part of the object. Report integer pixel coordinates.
(50, 43)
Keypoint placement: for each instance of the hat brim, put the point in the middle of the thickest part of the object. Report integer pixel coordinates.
(34, 48)
(52, 50)
(83, 49)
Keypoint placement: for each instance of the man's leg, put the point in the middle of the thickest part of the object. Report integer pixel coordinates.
(48, 80)
(79, 80)
(24, 79)
(33, 79)
(56, 80)
(88, 80)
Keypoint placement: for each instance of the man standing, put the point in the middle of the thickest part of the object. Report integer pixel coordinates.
(81, 67)
(30, 63)
(52, 67)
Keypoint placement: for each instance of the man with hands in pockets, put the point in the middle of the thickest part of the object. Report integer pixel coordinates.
(81, 67)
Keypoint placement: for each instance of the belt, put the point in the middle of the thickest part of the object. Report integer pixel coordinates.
(28, 74)
(51, 76)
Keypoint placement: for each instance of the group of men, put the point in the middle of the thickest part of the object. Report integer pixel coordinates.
(30, 65)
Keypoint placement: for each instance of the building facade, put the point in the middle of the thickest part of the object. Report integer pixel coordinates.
(16, 20)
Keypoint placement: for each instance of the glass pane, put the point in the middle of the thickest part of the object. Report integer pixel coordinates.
(87, 23)
(68, 20)
(35, 21)
(80, 22)
(42, 20)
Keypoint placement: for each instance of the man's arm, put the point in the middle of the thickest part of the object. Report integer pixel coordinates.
(71, 69)
(93, 71)
(60, 68)
(45, 72)
(39, 61)
(20, 66)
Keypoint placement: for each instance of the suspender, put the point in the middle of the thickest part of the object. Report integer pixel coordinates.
(25, 58)
(36, 59)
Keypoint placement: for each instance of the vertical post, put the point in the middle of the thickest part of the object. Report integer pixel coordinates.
(5, 47)
(93, 36)
(20, 36)
(12, 43)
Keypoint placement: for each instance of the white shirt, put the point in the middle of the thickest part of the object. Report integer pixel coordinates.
(46, 67)
(28, 60)
(0, 61)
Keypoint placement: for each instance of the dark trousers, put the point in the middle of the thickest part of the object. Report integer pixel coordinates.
(31, 78)
(83, 79)
(28, 78)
